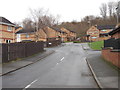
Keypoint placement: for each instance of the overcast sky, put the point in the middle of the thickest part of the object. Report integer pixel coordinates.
(69, 10)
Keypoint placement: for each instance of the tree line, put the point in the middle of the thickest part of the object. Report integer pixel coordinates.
(108, 16)
(40, 18)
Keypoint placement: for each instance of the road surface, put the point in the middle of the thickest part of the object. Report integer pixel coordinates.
(66, 68)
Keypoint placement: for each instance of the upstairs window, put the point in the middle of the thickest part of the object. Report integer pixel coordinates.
(9, 28)
(94, 37)
(27, 36)
(103, 30)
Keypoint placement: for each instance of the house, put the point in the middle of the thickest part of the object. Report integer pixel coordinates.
(111, 50)
(92, 34)
(99, 33)
(71, 35)
(61, 34)
(51, 33)
(7, 31)
(30, 35)
(115, 33)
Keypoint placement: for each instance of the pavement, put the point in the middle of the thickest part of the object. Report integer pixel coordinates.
(16, 65)
(105, 75)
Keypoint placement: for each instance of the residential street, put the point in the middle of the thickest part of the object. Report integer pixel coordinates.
(66, 68)
(60, 45)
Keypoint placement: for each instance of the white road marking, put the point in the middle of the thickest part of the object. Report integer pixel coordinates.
(62, 59)
(58, 62)
(30, 84)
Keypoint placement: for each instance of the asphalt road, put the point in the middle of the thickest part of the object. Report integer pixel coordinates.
(66, 68)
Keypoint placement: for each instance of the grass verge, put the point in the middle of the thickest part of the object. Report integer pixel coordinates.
(96, 45)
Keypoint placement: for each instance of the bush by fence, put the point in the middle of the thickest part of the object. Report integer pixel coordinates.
(115, 43)
(13, 51)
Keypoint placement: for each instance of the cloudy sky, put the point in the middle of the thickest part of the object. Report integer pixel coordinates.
(17, 10)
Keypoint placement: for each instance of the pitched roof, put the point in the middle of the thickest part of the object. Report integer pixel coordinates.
(70, 30)
(114, 31)
(25, 31)
(5, 21)
(17, 27)
(106, 27)
(57, 29)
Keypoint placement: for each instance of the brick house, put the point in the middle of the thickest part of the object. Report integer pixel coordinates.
(30, 35)
(115, 33)
(61, 34)
(7, 31)
(111, 50)
(71, 35)
(52, 32)
(99, 33)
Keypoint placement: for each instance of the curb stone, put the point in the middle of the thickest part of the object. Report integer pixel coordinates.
(28, 64)
(94, 75)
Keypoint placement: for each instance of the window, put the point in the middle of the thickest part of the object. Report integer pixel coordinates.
(8, 41)
(103, 30)
(27, 36)
(93, 37)
(9, 28)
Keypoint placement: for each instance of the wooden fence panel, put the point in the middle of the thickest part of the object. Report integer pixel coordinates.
(4, 52)
(14, 51)
(115, 43)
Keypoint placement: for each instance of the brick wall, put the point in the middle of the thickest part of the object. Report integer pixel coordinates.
(67, 31)
(31, 36)
(111, 56)
(50, 32)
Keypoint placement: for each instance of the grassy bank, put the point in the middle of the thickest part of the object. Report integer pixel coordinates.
(96, 45)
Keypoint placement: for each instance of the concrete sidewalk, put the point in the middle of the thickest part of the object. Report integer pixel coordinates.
(15, 65)
(104, 73)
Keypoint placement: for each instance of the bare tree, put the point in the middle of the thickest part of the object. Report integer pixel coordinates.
(103, 10)
(28, 24)
(42, 18)
(110, 8)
